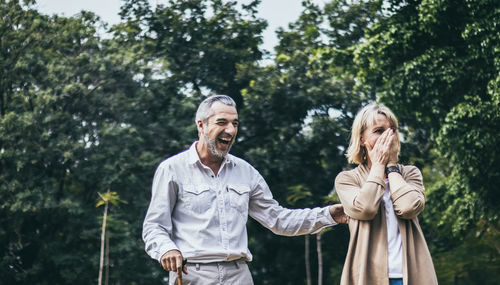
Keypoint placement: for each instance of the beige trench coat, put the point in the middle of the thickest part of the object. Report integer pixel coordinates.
(366, 261)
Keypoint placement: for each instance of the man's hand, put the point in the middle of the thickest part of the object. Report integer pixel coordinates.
(337, 212)
(172, 261)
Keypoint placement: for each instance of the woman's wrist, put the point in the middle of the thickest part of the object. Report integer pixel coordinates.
(392, 163)
(377, 169)
(393, 160)
(377, 172)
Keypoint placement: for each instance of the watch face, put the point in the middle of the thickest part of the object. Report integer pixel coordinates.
(392, 169)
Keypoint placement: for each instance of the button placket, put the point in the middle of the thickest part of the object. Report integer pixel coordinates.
(222, 214)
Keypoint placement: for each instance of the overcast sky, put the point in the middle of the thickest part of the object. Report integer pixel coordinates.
(278, 13)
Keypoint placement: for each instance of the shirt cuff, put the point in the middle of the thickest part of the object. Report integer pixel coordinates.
(164, 248)
(329, 217)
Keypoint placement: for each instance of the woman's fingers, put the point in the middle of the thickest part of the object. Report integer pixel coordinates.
(379, 153)
(368, 147)
(381, 141)
(385, 135)
(388, 140)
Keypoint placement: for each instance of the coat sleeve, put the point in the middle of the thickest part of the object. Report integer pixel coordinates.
(361, 202)
(409, 198)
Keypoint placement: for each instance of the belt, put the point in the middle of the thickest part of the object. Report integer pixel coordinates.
(236, 263)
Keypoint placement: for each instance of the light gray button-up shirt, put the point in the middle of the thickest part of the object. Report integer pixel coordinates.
(204, 216)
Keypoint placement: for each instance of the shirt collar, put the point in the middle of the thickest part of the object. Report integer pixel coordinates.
(193, 156)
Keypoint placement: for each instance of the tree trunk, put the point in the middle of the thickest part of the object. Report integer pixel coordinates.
(103, 239)
(106, 275)
(308, 263)
(320, 259)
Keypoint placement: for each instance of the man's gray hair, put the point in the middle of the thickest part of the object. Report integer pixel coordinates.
(204, 109)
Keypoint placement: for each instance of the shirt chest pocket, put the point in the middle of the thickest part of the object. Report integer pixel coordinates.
(198, 198)
(239, 196)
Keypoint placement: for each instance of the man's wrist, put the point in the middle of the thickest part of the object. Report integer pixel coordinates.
(330, 214)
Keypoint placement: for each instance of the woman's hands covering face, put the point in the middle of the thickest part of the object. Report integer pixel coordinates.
(385, 148)
(393, 150)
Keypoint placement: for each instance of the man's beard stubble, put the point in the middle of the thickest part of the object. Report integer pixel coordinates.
(212, 147)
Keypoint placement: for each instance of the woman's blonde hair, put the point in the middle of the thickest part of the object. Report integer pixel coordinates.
(356, 153)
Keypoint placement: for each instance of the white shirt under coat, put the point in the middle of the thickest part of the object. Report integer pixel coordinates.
(204, 216)
(394, 244)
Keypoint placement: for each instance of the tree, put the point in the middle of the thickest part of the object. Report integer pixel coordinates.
(202, 43)
(22, 35)
(59, 132)
(105, 199)
(297, 116)
(34, 166)
(320, 258)
(82, 113)
(434, 63)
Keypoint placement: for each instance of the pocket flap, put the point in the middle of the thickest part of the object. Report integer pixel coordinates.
(196, 189)
(239, 188)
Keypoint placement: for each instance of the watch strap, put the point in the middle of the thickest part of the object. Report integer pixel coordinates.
(390, 169)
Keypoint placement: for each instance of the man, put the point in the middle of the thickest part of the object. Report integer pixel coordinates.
(201, 199)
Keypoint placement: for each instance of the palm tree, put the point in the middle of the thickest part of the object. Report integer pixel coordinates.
(105, 199)
(299, 193)
(320, 257)
(308, 262)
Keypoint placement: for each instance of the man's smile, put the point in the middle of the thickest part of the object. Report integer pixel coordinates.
(225, 141)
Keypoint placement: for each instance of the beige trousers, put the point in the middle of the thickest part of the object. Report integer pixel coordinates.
(215, 273)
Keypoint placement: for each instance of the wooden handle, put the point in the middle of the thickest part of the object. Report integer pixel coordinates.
(179, 275)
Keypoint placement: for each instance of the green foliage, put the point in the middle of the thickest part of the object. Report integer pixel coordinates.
(435, 63)
(296, 133)
(109, 197)
(481, 244)
(80, 114)
(194, 37)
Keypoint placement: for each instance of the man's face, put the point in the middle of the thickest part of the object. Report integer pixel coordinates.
(219, 132)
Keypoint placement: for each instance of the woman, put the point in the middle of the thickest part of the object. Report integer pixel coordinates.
(382, 199)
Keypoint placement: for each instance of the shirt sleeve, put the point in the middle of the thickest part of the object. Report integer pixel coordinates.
(282, 221)
(361, 202)
(157, 226)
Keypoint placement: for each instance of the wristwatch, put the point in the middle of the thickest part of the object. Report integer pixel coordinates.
(390, 169)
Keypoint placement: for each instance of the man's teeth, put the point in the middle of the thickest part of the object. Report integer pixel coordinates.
(224, 141)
